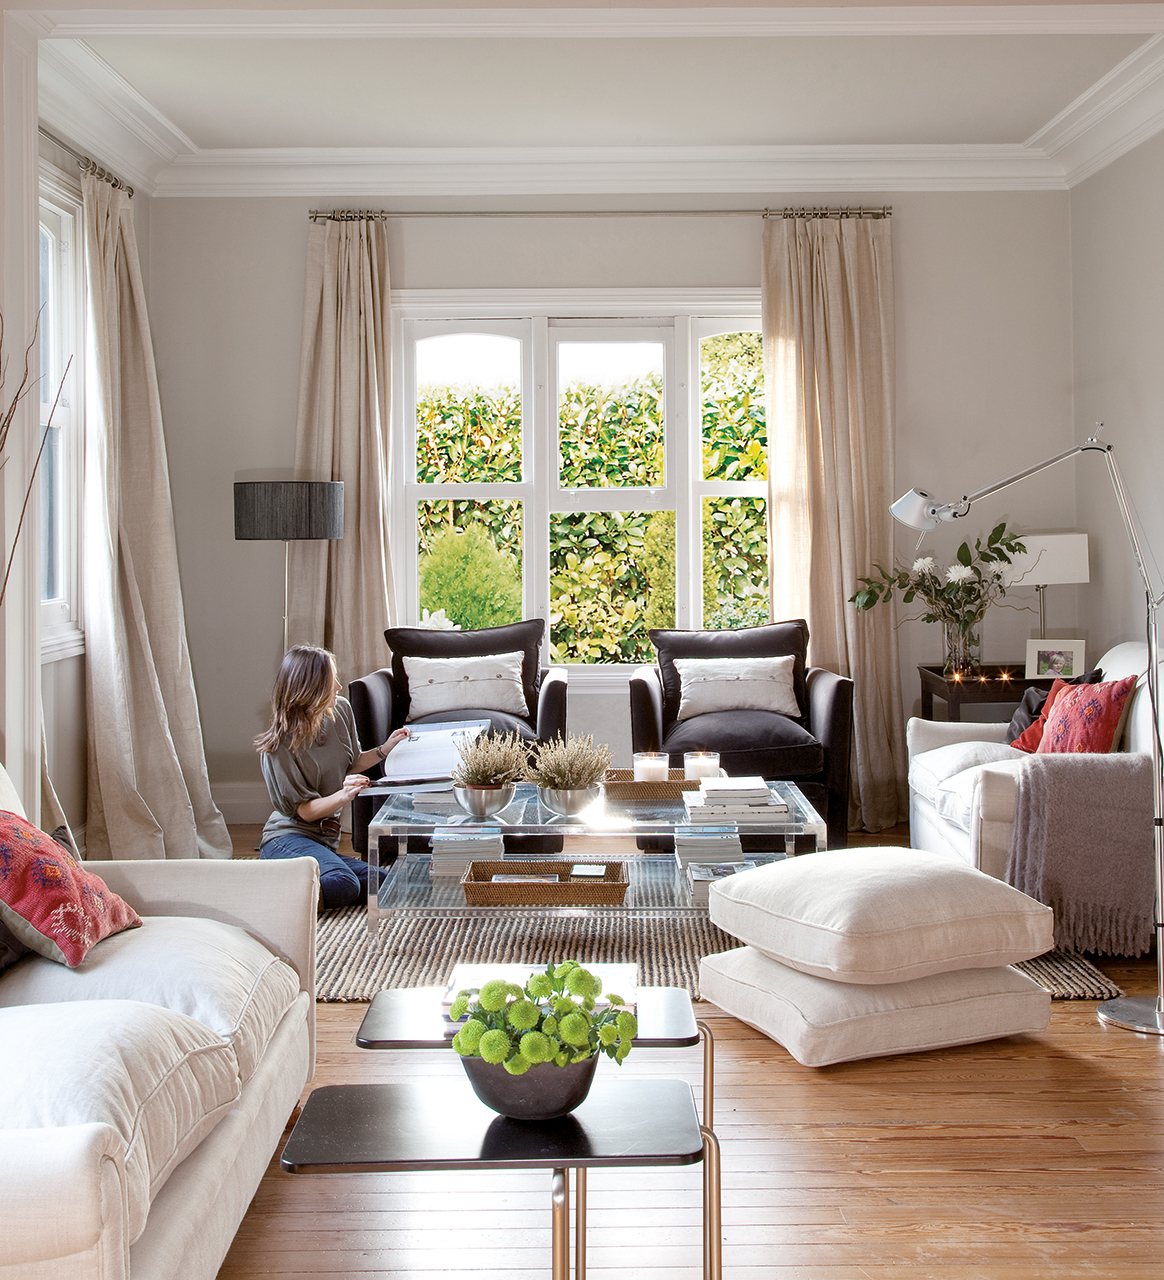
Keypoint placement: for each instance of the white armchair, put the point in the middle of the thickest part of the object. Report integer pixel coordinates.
(963, 778)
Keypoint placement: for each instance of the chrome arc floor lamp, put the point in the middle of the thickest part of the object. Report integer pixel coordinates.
(919, 510)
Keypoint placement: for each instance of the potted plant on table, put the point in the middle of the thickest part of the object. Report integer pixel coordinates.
(487, 769)
(530, 1051)
(956, 596)
(567, 772)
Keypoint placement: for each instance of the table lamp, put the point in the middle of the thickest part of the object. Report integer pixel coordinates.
(1051, 559)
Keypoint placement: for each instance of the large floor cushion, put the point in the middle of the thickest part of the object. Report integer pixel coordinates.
(213, 972)
(882, 914)
(820, 1021)
(159, 1080)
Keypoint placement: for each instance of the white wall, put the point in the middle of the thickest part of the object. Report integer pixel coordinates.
(1118, 275)
(984, 360)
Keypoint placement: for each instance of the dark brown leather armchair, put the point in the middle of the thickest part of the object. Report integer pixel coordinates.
(380, 700)
(811, 750)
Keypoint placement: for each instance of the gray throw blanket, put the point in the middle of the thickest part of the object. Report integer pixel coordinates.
(1082, 844)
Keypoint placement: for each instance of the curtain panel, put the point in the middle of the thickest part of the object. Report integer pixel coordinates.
(149, 794)
(829, 371)
(341, 593)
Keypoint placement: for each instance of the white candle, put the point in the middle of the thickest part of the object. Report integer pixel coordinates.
(700, 764)
(651, 766)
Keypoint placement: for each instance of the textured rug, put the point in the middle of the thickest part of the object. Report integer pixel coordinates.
(412, 952)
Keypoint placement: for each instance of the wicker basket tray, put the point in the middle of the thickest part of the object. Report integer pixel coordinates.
(620, 786)
(482, 891)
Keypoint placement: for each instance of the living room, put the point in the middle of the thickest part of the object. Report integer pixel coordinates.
(1027, 286)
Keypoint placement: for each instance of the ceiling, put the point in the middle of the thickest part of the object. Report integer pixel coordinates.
(705, 102)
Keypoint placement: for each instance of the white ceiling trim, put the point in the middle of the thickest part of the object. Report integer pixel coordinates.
(506, 304)
(435, 21)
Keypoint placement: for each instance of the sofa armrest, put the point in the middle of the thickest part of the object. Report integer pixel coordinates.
(76, 1169)
(551, 716)
(830, 709)
(275, 902)
(646, 709)
(927, 735)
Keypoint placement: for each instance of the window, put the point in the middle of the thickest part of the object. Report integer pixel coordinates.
(608, 474)
(61, 417)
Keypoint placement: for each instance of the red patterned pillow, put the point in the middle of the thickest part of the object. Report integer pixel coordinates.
(1087, 717)
(1031, 736)
(51, 903)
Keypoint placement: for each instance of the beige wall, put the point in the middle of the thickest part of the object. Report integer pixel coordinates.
(984, 358)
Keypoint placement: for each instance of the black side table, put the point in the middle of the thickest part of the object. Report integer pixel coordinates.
(996, 682)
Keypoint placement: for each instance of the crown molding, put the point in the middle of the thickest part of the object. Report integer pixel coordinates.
(505, 304)
(436, 21)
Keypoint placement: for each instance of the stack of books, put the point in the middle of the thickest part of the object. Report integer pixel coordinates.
(701, 875)
(707, 843)
(453, 848)
(743, 801)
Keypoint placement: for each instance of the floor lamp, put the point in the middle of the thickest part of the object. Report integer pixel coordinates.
(919, 510)
(288, 511)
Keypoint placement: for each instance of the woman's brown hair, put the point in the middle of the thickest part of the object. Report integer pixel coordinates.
(301, 700)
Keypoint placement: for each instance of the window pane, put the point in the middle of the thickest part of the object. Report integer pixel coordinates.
(48, 298)
(470, 561)
(612, 575)
(731, 391)
(610, 414)
(468, 408)
(735, 563)
(52, 586)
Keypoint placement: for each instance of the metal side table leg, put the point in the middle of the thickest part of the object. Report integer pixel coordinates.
(708, 1073)
(560, 1225)
(580, 1224)
(712, 1207)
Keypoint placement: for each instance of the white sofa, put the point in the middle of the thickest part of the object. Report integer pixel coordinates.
(963, 777)
(143, 1093)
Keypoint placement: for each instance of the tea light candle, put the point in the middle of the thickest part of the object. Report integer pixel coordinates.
(651, 766)
(700, 764)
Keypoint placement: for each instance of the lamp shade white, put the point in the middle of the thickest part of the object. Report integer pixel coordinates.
(1050, 559)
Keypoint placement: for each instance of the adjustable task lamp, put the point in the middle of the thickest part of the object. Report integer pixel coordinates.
(919, 510)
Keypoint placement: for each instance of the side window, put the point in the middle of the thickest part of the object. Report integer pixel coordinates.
(61, 417)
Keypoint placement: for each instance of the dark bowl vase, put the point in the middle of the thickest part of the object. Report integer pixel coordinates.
(543, 1093)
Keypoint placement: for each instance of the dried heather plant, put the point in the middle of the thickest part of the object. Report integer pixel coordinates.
(569, 764)
(488, 761)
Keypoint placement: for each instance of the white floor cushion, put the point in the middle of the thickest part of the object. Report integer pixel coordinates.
(820, 1022)
(214, 972)
(159, 1080)
(880, 915)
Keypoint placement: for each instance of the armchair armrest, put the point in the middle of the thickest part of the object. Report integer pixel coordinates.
(551, 709)
(372, 706)
(830, 708)
(646, 709)
(927, 735)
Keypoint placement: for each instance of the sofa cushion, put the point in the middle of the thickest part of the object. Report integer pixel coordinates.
(749, 742)
(821, 1022)
(1034, 700)
(423, 642)
(880, 915)
(733, 684)
(213, 972)
(161, 1081)
(929, 769)
(445, 684)
(1089, 718)
(51, 903)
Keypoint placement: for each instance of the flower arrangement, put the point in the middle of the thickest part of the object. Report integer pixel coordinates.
(569, 763)
(555, 1018)
(957, 596)
(489, 760)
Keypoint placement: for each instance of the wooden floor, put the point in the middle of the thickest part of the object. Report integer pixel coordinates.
(1031, 1158)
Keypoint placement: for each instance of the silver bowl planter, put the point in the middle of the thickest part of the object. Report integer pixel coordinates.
(484, 802)
(571, 802)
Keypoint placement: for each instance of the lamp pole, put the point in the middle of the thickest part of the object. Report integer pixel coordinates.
(920, 511)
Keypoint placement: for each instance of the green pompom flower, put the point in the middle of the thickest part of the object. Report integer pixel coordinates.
(550, 1025)
(460, 1046)
(494, 1046)
(562, 1059)
(493, 996)
(460, 1006)
(582, 983)
(517, 1065)
(563, 1005)
(608, 1033)
(623, 1049)
(470, 1034)
(575, 1028)
(613, 999)
(627, 1024)
(536, 1047)
(539, 986)
(522, 1015)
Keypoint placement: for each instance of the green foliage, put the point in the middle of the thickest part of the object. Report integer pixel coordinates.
(555, 1017)
(465, 436)
(466, 575)
(658, 566)
(731, 390)
(735, 560)
(611, 437)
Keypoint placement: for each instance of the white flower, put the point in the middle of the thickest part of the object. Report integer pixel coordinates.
(959, 573)
(924, 564)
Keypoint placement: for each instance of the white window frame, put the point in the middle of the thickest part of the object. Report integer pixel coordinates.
(60, 200)
(679, 318)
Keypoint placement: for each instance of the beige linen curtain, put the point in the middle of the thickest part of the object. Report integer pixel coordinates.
(829, 366)
(149, 794)
(341, 593)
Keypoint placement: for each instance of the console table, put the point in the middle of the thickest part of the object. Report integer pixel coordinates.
(996, 682)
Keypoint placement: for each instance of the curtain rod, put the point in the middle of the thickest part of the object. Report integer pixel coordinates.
(379, 215)
(86, 163)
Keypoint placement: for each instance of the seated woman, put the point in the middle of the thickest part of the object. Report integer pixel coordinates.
(311, 761)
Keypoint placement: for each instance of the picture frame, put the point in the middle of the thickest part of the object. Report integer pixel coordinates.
(1051, 658)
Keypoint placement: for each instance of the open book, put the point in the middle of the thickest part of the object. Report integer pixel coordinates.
(430, 752)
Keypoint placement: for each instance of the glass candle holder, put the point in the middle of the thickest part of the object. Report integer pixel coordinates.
(701, 764)
(651, 766)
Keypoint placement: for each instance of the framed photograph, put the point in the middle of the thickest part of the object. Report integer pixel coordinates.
(1048, 659)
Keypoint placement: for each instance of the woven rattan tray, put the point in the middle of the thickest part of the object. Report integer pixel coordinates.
(482, 891)
(620, 786)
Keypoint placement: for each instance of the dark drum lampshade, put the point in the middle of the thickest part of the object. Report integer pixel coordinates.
(287, 510)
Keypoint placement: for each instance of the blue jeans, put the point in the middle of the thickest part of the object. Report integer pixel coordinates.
(343, 881)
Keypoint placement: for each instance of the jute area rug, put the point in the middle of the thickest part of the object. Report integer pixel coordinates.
(415, 952)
